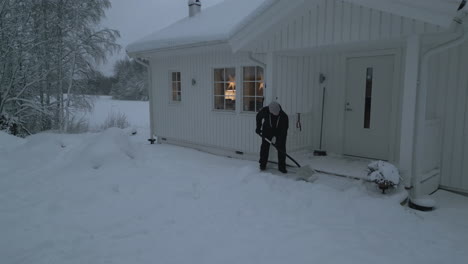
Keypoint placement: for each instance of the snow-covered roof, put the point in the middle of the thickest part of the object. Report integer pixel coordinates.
(437, 12)
(214, 24)
(220, 23)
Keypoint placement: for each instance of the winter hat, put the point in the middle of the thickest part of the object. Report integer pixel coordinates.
(274, 108)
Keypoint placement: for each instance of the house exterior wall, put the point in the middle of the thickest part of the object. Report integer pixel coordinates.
(448, 105)
(333, 22)
(296, 87)
(193, 122)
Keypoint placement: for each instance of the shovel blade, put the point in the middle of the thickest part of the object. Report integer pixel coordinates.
(306, 173)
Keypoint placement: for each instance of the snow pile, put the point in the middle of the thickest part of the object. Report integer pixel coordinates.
(384, 172)
(8, 141)
(105, 148)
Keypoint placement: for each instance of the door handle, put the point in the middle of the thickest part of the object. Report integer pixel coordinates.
(347, 108)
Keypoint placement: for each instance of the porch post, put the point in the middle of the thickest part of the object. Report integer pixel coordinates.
(269, 91)
(408, 108)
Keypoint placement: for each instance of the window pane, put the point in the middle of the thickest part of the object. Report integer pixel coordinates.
(219, 75)
(178, 77)
(249, 103)
(259, 103)
(230, 104)
(179, 87)
(174, 96)
(219, 102)
(249, 73)
(174, 76)
(230, 94)
(249, 89)
(174, 87)
(219, 89)
(260, 75)
(259, 89)
(231, 75)
(368, 100)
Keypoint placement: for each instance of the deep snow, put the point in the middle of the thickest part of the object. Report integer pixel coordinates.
(137, 112)
(112, 198)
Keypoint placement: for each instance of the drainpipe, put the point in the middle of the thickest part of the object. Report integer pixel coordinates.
(150, 94)
(252, 58)
(421, 107)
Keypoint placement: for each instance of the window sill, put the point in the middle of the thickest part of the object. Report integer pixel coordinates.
(225, 112)
(248, 113)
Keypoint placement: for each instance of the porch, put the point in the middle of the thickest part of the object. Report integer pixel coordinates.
(368, 99)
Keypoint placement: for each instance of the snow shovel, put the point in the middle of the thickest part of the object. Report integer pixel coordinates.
(303, 173)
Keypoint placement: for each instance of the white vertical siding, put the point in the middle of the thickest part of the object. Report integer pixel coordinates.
(193, 120)
(331, 22)
(448, 101)
(299, 91)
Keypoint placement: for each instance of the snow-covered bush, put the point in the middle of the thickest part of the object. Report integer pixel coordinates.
(9, 125)
(384, 174)
(77, 125)
(115, 119)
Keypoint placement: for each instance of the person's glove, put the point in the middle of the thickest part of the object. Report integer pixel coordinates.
(273, 140)
(258, 131)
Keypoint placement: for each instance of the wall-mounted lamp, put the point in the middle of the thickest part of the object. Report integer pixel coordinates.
(194, 82)
(322, 78)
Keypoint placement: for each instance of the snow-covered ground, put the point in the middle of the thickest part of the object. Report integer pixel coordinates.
(137, 112)
(112, 198)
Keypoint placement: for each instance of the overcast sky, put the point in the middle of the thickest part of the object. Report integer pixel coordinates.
(137, 18)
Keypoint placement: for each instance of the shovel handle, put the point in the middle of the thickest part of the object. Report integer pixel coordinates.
(274, 145)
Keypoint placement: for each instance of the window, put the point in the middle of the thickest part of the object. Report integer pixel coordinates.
(176, 87)
(254, 85)
(225, 89)
(368, 97)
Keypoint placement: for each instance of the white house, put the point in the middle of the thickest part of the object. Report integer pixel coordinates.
(396, 80)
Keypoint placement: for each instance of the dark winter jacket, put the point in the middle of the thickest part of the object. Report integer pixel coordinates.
(271, 125)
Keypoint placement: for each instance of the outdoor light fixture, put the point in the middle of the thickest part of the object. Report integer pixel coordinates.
(322, 78)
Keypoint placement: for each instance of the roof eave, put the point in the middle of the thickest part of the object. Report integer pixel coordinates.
(162, 51)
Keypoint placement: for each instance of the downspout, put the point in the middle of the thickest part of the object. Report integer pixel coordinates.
(421, 105)
(252, 58)
(150, 94)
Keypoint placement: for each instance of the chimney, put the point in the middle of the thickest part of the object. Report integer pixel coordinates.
(194, 7)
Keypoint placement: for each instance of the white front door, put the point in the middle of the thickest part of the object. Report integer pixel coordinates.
(368, 106)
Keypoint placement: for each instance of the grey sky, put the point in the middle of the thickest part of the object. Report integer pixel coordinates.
(138, 18)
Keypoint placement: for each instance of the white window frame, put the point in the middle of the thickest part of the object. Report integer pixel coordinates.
(225, 83)
(255, 81)
(171, 86)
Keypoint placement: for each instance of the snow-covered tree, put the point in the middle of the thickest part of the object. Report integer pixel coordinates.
(45, 46)
(131, 81)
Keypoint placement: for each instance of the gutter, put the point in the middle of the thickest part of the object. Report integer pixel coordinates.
(176, 48)
(147, 65)
(422, 98)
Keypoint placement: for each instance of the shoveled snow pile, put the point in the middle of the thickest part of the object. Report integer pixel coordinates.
(104, 148)
(8, 141)
(113, 198)
(382, 172)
